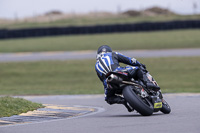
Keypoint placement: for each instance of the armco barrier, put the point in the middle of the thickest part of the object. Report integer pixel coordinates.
(136, 27)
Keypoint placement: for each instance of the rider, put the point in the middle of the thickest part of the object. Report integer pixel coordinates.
(108, 61)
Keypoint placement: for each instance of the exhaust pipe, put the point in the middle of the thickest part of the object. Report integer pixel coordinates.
(114, 79)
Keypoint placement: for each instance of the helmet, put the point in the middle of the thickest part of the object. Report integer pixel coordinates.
(104, 48)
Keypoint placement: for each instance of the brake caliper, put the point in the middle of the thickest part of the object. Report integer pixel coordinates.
(144, 93)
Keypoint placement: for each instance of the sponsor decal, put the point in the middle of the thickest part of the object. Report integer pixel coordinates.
(123, 73)
(158, 105)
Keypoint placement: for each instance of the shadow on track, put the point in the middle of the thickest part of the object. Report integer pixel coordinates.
(134, 115)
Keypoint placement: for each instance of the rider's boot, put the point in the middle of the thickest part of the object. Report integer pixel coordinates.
(124, 102)
(143, 77)
(152, 86)
(148, 83)
(119, 100)
(129, 108)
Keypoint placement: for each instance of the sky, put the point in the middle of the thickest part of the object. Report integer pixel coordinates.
(11, 9)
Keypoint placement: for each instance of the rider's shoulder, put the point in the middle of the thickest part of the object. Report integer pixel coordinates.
(117, 53)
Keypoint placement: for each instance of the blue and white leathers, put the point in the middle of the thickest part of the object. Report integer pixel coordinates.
(107, 62)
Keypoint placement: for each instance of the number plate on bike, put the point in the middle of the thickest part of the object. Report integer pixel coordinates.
(158, 105)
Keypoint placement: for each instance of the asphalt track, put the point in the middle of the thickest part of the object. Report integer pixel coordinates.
(79, 55)
(184, 118)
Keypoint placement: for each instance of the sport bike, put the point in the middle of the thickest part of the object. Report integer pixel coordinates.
(138, 97)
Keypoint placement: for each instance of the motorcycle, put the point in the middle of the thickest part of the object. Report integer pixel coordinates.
(138, 97)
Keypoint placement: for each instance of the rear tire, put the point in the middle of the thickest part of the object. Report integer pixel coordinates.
(144, 108)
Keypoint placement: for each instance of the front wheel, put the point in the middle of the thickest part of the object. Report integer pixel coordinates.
(143, 106)
(165, 107)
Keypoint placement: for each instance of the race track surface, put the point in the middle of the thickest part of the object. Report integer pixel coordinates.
(184, 118)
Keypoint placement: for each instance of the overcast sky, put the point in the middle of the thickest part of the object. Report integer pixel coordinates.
(25, 8)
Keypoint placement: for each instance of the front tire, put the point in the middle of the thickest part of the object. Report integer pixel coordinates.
(145, 107)
(165, 108)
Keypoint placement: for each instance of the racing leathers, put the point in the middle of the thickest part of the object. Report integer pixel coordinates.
(109, 61)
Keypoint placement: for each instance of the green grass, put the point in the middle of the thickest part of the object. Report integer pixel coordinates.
(118, 41)
(95, 20)
(13, 106)
(51, 77)
(177, 74)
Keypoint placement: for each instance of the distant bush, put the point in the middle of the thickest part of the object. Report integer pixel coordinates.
(158, 11)
(132, 13)
(149, 12)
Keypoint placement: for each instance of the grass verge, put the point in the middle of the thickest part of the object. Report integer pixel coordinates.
(13, 106)
(175, 74)
(118, 41)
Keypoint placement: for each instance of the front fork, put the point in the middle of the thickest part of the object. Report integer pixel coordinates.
(155, 98)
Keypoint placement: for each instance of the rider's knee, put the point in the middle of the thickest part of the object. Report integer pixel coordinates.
(133, 72)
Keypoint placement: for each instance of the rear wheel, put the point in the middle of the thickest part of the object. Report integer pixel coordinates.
(143, 106)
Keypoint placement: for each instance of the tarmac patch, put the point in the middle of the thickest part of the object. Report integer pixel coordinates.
(50, 112)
